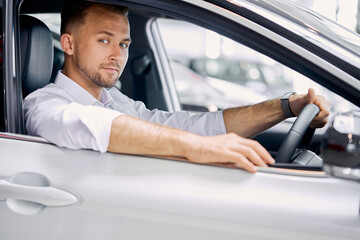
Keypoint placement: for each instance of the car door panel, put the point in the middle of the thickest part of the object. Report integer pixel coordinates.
(132, 197)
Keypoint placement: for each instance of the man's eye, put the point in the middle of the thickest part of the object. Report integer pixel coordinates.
(123, 45)
(104, 41)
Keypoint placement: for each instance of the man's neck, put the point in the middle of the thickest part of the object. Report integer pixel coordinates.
(85, 83)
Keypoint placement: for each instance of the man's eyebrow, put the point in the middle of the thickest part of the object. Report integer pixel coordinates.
(105, 32)
(127, 40)
(111, 35)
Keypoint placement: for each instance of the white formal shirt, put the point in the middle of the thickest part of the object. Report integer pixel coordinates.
(66, 114)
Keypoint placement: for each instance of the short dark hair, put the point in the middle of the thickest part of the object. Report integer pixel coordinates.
(74, 12)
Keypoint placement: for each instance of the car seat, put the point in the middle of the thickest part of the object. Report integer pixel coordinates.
(36, 46)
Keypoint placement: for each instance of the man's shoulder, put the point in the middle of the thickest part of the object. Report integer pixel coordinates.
(45, 89)
(50, 91)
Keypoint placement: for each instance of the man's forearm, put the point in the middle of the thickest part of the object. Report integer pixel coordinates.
(250, 120)
(136, 136)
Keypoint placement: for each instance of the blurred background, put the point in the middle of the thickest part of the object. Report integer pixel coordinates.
(213, 72)
(344, 12)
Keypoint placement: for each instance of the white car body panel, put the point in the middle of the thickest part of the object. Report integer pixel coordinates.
(136, 197)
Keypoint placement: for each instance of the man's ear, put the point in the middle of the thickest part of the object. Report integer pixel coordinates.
(67, 43)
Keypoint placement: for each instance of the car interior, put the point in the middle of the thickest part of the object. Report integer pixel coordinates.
(41, 59)
(139, 80)
(36, 59)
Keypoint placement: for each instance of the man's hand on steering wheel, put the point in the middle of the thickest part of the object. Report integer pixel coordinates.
(298, 102)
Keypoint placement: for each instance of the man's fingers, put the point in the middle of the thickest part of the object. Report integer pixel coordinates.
(321, 119)
(263, 153)
(323, 104)
(319, 122)
(231, 148)
(300, 101)
(310, 96)
(323, 115)
(244, 163)
(234, 157)
(260, 151)
(251, 155)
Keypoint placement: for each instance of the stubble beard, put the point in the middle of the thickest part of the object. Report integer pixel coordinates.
(94, 76)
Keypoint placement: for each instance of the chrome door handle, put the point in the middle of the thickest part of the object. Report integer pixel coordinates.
(47, 196)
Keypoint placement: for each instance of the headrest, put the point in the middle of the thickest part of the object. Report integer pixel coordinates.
(36, 54)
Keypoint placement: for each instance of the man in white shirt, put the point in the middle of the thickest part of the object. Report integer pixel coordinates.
(82, 109)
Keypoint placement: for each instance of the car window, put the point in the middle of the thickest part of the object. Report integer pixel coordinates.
(214, 72)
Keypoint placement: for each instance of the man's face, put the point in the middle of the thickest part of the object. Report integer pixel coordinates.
(101, 46)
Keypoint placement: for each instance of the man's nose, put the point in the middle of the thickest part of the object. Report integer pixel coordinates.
(116, 53)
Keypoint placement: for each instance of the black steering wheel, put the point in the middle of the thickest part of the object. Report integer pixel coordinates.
(299, 133)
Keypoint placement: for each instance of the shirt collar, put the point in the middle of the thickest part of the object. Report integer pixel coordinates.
(80, 94)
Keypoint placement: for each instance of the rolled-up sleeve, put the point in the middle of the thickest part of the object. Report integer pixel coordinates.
(69, 124)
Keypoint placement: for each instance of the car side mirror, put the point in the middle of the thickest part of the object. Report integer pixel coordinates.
(342, 155)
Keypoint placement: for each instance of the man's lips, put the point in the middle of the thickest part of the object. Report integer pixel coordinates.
(112, 69)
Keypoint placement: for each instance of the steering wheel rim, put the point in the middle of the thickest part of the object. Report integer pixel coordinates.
(298, 130)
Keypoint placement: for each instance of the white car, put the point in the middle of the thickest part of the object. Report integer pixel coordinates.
(49, 192)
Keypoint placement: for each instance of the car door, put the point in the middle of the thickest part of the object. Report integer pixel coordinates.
(48, 192)
(112, 196)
